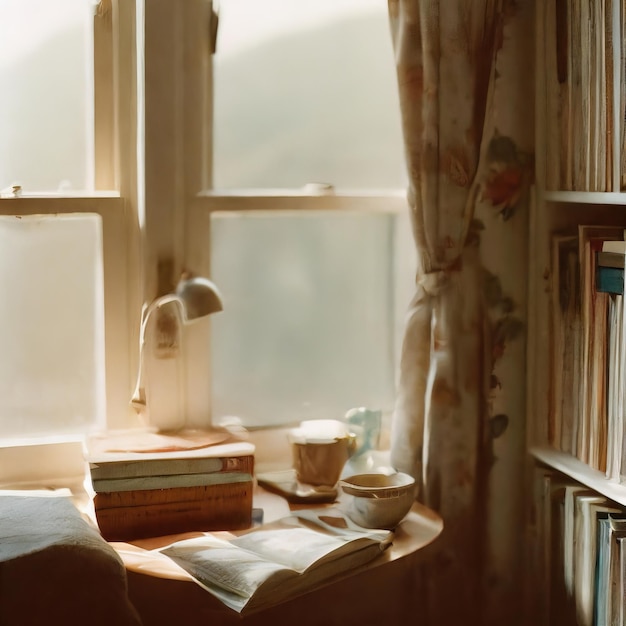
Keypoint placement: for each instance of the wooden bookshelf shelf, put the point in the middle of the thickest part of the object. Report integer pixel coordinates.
(586, 197)
(581, 472)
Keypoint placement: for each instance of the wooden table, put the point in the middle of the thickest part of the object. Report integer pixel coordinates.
(384, 592)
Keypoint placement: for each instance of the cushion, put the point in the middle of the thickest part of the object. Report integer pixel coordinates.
(55, 568)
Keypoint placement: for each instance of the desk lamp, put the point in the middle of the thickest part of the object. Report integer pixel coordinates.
(159, 393)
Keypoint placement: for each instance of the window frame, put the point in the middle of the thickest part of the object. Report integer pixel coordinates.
(153, 116)
(197, 343)
(180, 197)
(112, 212)
(118, 202)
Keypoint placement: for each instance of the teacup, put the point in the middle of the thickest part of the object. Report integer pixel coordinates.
(320, 450)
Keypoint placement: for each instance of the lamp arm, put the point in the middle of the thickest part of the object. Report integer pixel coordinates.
(197, 297)
(138, 399)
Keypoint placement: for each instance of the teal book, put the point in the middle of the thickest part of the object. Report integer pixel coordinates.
(610, 279)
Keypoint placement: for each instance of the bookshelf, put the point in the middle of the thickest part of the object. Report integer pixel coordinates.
(575, 366)
(617, 198)
(581, 473)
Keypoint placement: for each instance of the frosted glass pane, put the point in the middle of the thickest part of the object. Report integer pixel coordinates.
(51, 330)
(307, 329)
(306, 92)
(46, 106)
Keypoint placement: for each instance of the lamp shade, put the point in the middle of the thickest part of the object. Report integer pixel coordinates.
(199, 296)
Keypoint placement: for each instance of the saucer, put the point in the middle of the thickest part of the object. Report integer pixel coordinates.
(285, 483)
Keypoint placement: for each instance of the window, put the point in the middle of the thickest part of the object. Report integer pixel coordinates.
(306, 92)
(46, 109)
(68, 252)
(64, 319)
(305, 230)
(313, 300)
(53, 307)
(163, 184)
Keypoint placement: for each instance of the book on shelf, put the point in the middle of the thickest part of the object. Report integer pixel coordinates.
(561, 608)
(598, 310)
(571, 493)
(607, 258)
(587, 506)
(583, 539)
(588, 355)
(578, 98)
(598, 68)
(601, 583)
(555, 86)
(612, 260)
(615, 246)
(610, 280)
(566, 343)
(616, 379)
(610, 263)
(149, 484)
(592, 433)
(610, 568)
(580, 94)
(586, 88)
(606, 106)
(277, 561)
(618, 593)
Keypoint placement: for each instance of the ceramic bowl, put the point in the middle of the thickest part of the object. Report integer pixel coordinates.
(377, 500)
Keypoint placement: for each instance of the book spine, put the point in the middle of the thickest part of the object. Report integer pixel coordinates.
(231, 509)
(163, 467)
(610, 280)
(206, 493)
(611, 259)
(156, 483)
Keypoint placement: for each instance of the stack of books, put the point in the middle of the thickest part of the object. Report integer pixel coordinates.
(169, 485)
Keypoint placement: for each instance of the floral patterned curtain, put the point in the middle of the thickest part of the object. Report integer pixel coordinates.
(465, 78)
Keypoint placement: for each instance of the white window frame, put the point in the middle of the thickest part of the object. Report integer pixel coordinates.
(118, 201)
(112, 213)
(179, 192)
(269, 202)
(156, 221)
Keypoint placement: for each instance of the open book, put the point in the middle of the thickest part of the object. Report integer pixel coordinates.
(277, 561)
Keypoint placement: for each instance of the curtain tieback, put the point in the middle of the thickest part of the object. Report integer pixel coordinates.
(433, 282)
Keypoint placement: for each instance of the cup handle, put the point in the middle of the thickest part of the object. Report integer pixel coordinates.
(352, 444)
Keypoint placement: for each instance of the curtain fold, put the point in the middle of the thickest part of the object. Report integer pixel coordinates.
(468, 199)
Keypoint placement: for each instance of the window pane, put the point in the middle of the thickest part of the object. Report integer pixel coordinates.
(306, 92)
(46, 107)
(308, 327)
(51, 330)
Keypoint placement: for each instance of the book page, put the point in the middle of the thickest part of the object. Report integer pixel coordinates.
(234, 570)
(295, 548)
(217, 562)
